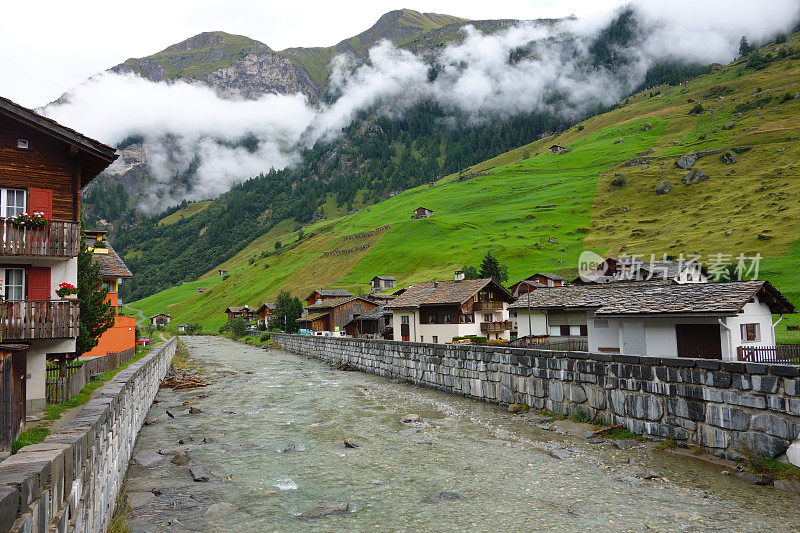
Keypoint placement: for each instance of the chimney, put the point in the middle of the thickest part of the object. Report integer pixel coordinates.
(459, 276)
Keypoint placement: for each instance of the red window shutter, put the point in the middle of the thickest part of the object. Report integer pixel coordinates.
(39, 283)
(41, 200)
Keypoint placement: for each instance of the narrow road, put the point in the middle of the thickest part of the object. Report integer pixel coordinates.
(142, 319)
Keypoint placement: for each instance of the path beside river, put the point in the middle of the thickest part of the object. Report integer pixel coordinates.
(468, 466)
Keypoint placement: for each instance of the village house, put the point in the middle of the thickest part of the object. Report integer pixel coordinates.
(665, 319)
(380, 298)
(223, 271)
(264, 313)
(121, 336)
(43, 167)
(201, 290)
(160, 319)
(382, 283)
(244, 312)
(374, 324)
(183, 328)
(422, 212)
(558, 149)
(536, 281)
(321, 295)
(331, 315)
(437, 311)
(622, 269)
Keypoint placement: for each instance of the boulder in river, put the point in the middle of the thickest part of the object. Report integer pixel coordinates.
(155, 420)
(186, 440)
(147, 459)
(195, 411)
(327, 509)
(753, 478)
(174, 450)
(559, 454)
(411, 419)
(218, 508)
(352, 443)
(200, 473)
(291, 447)
(181, 458)
(788, 485)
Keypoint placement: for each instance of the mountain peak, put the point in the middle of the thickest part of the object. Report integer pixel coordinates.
(414, 20)
(211, 39)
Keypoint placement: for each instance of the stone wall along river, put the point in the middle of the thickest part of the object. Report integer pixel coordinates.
(466, 466)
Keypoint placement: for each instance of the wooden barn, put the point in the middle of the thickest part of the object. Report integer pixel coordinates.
(334, 314)
(422, 212)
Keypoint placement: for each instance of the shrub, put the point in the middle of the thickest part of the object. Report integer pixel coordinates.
(526, 153)
(780, 38)
(618, 182)
(264, 337)
(785, 97)
(580, 127)
(697, 109)
(238, 327)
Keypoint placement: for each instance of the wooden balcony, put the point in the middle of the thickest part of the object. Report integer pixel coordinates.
(496, 327)
(57, 239)
(38, 319)
(487, 306)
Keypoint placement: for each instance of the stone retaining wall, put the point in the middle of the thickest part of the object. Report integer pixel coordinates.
(70, 481)
(722, 406)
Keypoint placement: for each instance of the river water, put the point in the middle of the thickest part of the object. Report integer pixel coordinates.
(470, 466)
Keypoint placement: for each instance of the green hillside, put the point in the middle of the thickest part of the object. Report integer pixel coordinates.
(537, 211)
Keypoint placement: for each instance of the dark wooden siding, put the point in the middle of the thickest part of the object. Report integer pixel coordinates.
(343, 314)
(46, 164)
(13, 368)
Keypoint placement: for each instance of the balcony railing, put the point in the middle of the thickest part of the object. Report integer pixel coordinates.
(487, 306)
(494, 327)
(38, 319)
(57, 239)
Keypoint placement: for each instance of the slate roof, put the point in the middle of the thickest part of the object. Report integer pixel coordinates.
(443, 292)
(267, 305)
(554, 277)
(238, 309)
(111, 264)
(331, 292)
(388, 278)
(657, 298)
(336, 302)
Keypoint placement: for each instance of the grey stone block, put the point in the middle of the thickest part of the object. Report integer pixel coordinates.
(712, 437)
(641, 406)
(677, 361)
(785, 370)
(768, 384)
(709, 364)
(746, 399)
(771, 424)
(756, 368)
(686, 409)
(666, 374)
(9, 506)
(727, 417)
(791, 387)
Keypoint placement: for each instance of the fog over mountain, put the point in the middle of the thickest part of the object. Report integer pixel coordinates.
(187, 129)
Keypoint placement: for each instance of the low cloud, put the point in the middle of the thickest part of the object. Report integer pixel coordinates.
(190, 132)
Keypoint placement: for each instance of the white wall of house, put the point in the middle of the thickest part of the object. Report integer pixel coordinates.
(37, 369)
(755, 312)
(604, 335)
(445, 332)
(538, 322)
(63, 271)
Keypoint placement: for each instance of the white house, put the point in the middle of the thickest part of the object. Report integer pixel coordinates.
(631, 268)
(665, 319)
(437, 311)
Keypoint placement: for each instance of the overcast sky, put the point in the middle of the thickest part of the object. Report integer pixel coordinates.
(49, 46)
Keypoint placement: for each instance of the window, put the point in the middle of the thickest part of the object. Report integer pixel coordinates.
(487, 318)
(446, 318)
(421, 338)
(14, 284)
(13, 202)
(751, 332)
(22, 144)
(404, 319)
(555, 331)
(600, 323)
(584, 331)
(406, 338)
(575, 330)
(435, 339)
(564, 331)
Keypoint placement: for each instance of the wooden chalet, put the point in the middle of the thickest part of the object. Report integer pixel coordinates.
(422, 212)
(265, 313)
(374, 324)
(244, 312)
(558, 149)
(43, 167)
(536, 281)
(332, 315)
(382, 283)
(160, 319)
(320, 295)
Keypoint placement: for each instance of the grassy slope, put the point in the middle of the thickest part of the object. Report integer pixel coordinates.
(505, 210)
(186, 212)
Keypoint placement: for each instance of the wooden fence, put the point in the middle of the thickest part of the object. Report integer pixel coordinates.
(80, 373)
(12, 393)
(788, 354)
(567, 345)
(57, 239)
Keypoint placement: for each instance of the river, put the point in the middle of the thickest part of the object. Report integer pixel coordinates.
(470, 466)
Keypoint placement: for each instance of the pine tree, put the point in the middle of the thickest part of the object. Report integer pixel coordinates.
(287, 311)
(744, 47)
(97, 314)
(491, 268)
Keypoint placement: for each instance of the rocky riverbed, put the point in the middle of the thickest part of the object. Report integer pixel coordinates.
(277, 442)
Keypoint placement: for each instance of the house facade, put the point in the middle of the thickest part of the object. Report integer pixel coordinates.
(664, 319)
(332, 315)
(43, 167)
(438, 311)
(113, 271)
(374, 324)
(536, 281)
(160, 319)
(630, 268)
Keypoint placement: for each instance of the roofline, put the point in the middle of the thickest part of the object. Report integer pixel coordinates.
(699, 314)
(53, 128)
